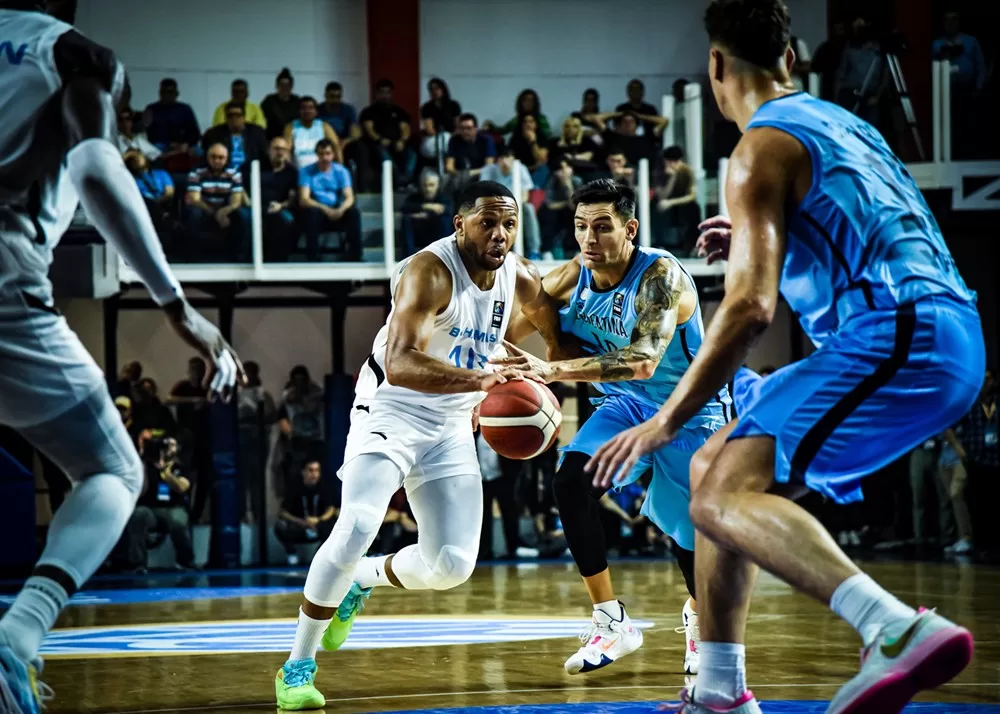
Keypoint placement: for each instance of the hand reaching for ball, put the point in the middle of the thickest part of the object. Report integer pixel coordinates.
(525, 363)
(504, 375)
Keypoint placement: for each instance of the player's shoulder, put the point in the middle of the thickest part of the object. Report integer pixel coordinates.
(428, 267)
(767, 155)
(77, 56)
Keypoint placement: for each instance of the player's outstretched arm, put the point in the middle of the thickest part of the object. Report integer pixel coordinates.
(423, 292)
(658, 303)
(112, 201)
(540, 299)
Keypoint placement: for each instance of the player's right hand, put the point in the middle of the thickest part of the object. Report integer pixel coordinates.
(224, 367)
(715, 236)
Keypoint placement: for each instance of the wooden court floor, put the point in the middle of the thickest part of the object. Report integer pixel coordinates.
(500, 639)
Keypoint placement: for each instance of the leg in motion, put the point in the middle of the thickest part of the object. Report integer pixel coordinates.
(612, 635)
(331, 598)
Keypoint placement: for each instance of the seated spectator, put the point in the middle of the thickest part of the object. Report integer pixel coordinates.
(326, 203)
(240, 93)
(646, 113)
(300, 418)
(675, 211)
(387, 126)
(503, 172)
(128, 379)
(399, 529)
(281, 107)
(155, 185)
(979, 443)
(278, 188)
(968, 67)
(130, 140)
(304, 133)
(625, 140)
(527, 104)
(469, 150)
(307, 512)
(162, 507)
(148, 412)
(215, 212)
(530, 149)
(245, 143)
(172, 126)
(427, 214)
(575, 146)
(124, 406)
(619, 170)
(590, 108)
(344, 120)
(556, 215)
(437, 118)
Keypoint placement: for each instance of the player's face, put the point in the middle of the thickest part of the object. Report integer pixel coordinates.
(487, 232)
(601, 235)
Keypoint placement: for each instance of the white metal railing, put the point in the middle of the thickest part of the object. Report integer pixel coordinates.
(388, 218)
(518, 194)
(644, 199)
(669, 107)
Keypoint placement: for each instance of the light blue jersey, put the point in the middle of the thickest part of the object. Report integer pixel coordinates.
(604, 321)
(863, 238)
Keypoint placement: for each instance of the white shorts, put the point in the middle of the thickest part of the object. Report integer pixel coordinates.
(44, 368)
(423, 449)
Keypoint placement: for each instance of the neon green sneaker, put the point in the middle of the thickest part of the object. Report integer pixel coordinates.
(342, 622)
(293, 686)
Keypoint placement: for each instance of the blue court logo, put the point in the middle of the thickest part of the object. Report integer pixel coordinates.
(277, 635)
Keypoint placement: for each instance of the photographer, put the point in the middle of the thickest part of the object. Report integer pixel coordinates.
(307, 512)
(162, 506)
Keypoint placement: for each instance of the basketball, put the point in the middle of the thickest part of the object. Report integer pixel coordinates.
(520, 419)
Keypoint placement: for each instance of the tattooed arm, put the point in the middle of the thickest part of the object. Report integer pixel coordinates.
(665, 298)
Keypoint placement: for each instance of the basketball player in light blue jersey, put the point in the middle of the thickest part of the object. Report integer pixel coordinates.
(636, 312)
(823, 212)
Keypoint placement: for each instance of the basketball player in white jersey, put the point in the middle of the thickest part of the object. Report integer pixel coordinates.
(412, 426)
(57, 120)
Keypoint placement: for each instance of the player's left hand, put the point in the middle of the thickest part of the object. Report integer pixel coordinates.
(525, 362)
(475, 418)
(616, 459)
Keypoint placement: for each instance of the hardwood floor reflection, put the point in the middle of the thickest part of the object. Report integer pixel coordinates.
(796, 648)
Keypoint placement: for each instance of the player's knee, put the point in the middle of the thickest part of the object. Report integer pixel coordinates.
(352, 535)
(705, 510)
(452, 568)
(700, 462)
(570, 481)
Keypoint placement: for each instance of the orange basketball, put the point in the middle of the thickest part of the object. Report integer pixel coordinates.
(520, 419)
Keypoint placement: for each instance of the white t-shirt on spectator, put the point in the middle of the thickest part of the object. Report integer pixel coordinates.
(492, 172)
(139, 143)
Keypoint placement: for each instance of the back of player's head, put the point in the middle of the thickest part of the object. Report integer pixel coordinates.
(467, 197)
(621, 197)
(752, 30)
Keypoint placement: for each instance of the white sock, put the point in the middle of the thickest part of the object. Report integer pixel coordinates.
(612, 608)
(722, 676)
(308, 635)
(866, 606)
(371, 572)
(32, 615)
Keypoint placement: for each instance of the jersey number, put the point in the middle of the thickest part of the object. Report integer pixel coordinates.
(470, 362)
(605, 345)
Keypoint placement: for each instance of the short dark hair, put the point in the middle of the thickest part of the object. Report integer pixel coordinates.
(752, 30)
(384, 84)
(673, 153)
(468, 116)
(505, 150)
(467, 197)
(621, 197)
(285, 73)
(331, 86)
(235, 105)
(168, 82)
(324, 144)
(307, 98)
(238, 82)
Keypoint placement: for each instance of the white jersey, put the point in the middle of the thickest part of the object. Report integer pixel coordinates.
(38, 55)
(466, 334)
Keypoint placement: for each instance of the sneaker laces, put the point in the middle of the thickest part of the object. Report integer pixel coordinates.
(598, 629)
(297, 673)
(353, 602)
(693, 626)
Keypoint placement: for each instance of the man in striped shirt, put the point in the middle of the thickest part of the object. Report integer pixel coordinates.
(216, 212)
